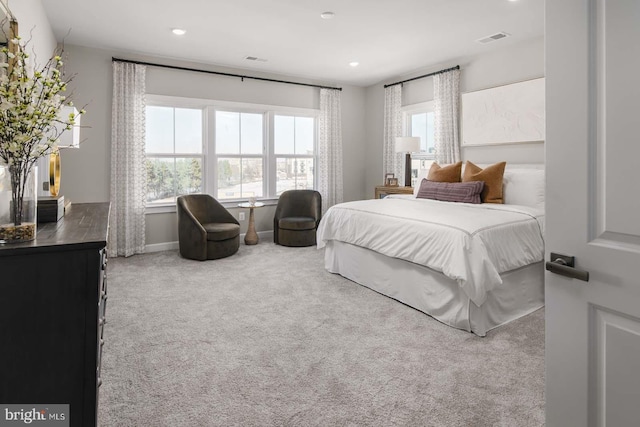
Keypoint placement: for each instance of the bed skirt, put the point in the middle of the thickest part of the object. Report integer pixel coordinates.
(521, 292)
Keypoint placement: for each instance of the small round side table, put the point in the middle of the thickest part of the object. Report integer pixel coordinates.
(251, 238)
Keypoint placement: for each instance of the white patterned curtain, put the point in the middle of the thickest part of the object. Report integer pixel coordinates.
(392, 162)
(330, 149)
(128, 172)
(446, 94)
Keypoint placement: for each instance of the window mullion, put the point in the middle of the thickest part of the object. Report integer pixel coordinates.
(240, 151)
(175, 171)
(266, 163)
(295, 159)
(204, 149)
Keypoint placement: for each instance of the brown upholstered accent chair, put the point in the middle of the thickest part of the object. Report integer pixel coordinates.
(297, 217)
(206, 230)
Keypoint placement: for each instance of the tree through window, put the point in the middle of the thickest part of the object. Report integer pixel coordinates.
(174, 153)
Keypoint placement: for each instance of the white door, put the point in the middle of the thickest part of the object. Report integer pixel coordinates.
(593, 211)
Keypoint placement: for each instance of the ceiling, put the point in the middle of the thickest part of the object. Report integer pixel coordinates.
(388, 38)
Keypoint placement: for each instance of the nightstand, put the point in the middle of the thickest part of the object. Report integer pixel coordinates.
(382, 191)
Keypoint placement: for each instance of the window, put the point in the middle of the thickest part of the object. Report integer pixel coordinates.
(419, 121)
(422, 125)
(230, 150)
(174, 153)
(294, 152)
(239, 154)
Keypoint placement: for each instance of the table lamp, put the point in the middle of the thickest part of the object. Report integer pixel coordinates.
(407, 145)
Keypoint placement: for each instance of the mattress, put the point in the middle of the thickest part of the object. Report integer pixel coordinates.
(470, 244)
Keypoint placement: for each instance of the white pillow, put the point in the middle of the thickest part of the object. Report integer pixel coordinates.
(524, 187)
(422, 173)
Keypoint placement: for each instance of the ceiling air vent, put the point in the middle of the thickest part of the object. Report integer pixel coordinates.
(254, 58)
(493, 37)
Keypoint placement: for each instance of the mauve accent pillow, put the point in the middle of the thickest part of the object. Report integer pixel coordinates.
(461, 192)
(449, 173)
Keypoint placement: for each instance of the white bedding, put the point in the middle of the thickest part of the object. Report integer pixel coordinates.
(472, 244)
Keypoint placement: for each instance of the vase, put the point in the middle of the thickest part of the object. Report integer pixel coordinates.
(18, 205)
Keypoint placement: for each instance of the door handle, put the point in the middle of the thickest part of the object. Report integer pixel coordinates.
(564, 265)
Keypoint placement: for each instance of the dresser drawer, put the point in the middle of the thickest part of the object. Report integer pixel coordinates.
(99, 366)
(99, 355)
(101, 322)
(102, 279)
(102, 307)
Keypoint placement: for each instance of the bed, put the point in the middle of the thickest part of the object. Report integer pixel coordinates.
(472, 267)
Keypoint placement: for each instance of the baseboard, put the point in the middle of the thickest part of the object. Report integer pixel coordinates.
(171, 246)
(262, 235)
(159, 247)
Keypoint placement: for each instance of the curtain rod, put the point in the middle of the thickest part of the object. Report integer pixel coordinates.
(457, 67)
(173, 67)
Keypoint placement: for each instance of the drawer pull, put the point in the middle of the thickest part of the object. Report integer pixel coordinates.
(99, 381)
(104, 261)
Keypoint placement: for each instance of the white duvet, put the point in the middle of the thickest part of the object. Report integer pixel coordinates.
(471, 244)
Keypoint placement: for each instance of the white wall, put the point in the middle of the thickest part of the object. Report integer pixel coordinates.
(33, 24)
(524, 61)
(86, 172)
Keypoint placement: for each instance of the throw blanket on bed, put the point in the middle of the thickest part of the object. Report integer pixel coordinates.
(471, 244)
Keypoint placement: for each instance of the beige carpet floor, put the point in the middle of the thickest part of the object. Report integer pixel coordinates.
(268, 337)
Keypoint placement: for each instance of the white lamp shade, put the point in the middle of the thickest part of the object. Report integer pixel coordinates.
(69, 138)
(407, 144)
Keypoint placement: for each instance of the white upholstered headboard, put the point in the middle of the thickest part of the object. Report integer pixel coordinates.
(523, 184)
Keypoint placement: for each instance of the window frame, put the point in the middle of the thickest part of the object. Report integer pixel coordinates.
(180, 103)
(209, 155)
(213, 157)
(409, 110)
(273, 156)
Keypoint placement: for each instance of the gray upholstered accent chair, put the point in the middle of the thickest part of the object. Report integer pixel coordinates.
(206, 230)
(297, 217)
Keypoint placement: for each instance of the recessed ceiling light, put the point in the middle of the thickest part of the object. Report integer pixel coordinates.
(354, 63)
(327, 15)
(179, 31)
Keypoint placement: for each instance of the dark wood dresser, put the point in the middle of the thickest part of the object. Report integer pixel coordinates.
(53, 294)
